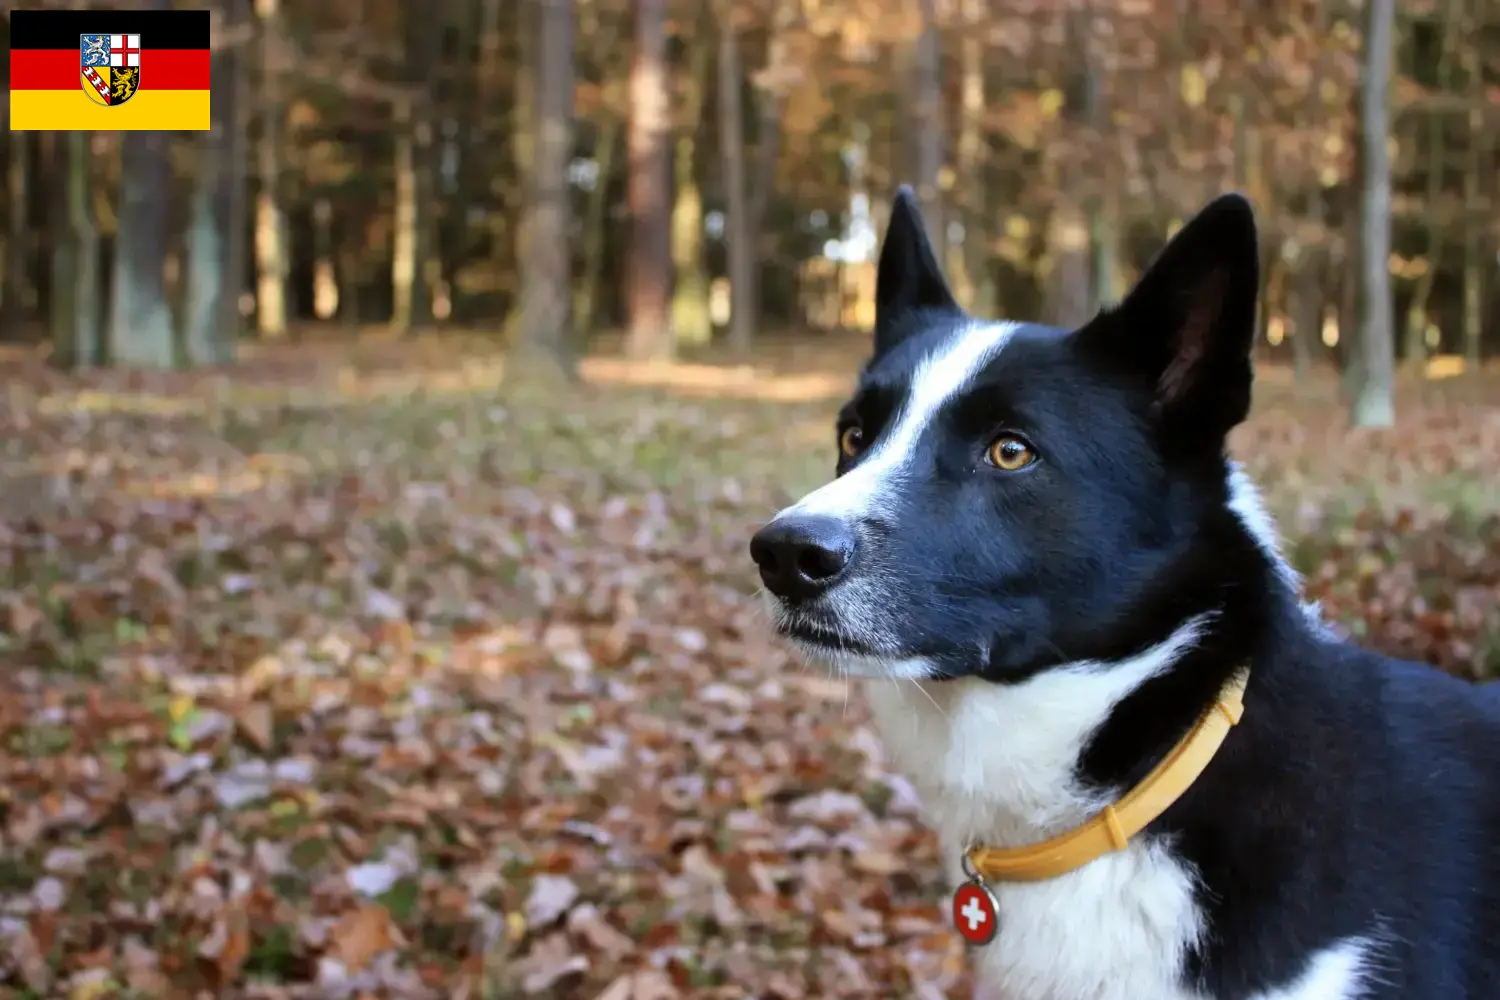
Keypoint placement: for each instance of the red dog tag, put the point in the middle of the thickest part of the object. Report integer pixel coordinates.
(975, 914)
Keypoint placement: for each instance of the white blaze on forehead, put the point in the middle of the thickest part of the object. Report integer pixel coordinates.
(940, 377)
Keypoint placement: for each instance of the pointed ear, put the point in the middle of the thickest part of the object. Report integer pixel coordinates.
(908, 278)
(1188, 325)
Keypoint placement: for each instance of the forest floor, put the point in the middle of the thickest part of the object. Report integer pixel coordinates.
(360, 671)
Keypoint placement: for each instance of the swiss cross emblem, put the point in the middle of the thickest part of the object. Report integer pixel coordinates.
(974, 913)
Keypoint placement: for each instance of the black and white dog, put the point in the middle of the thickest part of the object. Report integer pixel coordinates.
(1038, 550)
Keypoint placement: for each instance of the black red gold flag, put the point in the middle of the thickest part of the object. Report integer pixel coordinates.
(81, 70)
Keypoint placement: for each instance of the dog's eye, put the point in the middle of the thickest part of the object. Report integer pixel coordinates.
(852, 440)
(1010, 453)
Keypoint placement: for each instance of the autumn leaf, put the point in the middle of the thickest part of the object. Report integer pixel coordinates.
(227, 946)
(361, 934)
(255, 722)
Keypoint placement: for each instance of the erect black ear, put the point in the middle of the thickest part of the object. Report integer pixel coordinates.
(1188, 326)
(908, 278)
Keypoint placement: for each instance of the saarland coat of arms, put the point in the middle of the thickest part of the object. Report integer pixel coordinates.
(111, 67)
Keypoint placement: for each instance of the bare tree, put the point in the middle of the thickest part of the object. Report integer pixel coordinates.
(211, 312)
(1102, 205)
(13, 295)
(691, 322)
(772, 83)
(411, 291)
(404, 251)
(237, 206)
(1373, 404)
(970, 266)
(1309, 259)
(928, 111)
(140, 321)
(522, 122)
(649, 194)
(1070, 279)
(738, 237)
(608, 125)
(547, 269)
(1416, 312)
(270, 227)
(75, 256)
(1475, 224)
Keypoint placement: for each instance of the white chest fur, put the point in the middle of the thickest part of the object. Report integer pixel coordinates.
(995, 765)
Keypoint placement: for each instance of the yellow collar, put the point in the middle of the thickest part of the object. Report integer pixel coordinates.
(1112, 828)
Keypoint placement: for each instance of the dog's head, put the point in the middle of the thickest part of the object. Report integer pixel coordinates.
(1011, 496)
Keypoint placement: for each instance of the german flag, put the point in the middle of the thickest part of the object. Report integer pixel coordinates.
(77, 70)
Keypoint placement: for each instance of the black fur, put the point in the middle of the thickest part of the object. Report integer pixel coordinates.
(1359, 797)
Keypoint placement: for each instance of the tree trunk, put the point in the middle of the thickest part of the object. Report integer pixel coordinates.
(17, 242)
(606, 34)
(1308, 259)
(207, 231)
(404, 222)
(1373, 403)
(776, 81)
(1104, 237)
(973, 278)
(1068, 253)
(858, 283)
(414, 276)
(1307, 316)
(1417, 319)
(1416, 312)
(547, 270)
(75, 257)
(1273, 298)
(586, 300)
(523, 153)
(140, 322)
(207, 340)
(928, 111)
(650, 335)
(1350, 267)
(270, 230)
(1304, 305)
(350, 284)
(487, 137)
(739, 238)
(1104, 254)
(691, 322)
(237, 150)
(1069, 229)
(1250, 177)
(325, 274)
(1474, 228)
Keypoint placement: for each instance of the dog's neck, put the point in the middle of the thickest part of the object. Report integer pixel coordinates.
(1010, 764)
(1005, 757)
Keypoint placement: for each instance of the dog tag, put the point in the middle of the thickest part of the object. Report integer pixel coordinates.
(976, 915)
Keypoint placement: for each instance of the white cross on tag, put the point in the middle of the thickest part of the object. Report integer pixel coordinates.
(974, 914)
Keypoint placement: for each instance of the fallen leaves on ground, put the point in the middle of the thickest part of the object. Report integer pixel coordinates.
(348, 677)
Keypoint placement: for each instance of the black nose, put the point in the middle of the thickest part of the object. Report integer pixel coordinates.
(800, 556)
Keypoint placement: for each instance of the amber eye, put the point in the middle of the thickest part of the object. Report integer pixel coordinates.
(851, 440)
(1010, 453)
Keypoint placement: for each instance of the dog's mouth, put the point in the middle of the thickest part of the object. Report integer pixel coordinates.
(844, 649)
(810, 632)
